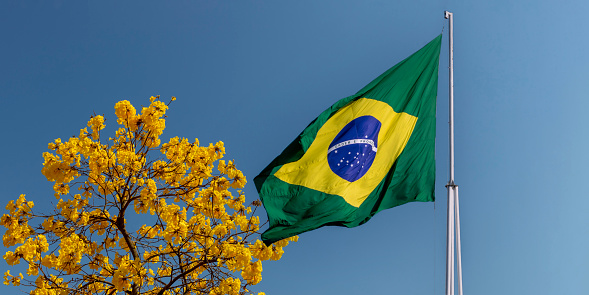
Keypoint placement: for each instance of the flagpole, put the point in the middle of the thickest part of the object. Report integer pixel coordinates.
(453, 224)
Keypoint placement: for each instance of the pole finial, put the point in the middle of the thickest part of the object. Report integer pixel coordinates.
(447, 14)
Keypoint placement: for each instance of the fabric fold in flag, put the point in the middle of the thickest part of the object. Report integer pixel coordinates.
(368, 152)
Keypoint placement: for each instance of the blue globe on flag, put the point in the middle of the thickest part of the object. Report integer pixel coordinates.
(352, 151)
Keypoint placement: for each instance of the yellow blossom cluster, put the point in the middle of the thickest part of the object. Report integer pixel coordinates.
(189, 230)
(16, 221)
(14, 280)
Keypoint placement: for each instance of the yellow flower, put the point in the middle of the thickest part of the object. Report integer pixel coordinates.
(96, 123)
(7, 277)
(253, 273)
(125, 112)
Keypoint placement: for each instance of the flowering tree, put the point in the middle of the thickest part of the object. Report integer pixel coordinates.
(135, 216)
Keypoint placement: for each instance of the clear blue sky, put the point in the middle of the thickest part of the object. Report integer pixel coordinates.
(254, 73)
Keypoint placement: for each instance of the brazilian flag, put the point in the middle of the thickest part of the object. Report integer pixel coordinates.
(368, 152)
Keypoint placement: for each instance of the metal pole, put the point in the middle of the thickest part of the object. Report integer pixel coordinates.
(450, 243)
(458, 251)
(449, 16)
(450, 186)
